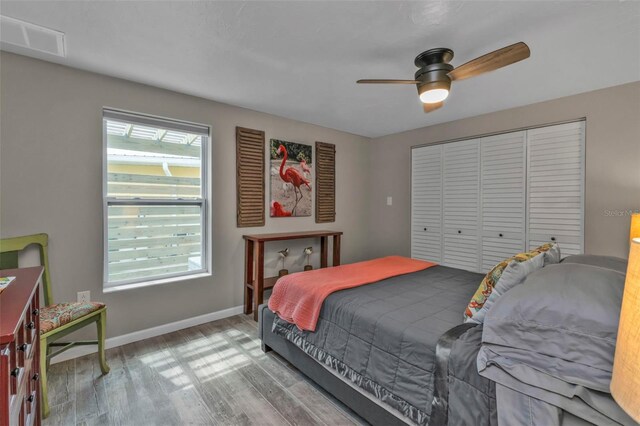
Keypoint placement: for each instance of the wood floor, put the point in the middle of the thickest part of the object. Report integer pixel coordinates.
(212, 374)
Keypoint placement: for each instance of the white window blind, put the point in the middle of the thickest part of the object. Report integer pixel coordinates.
(155, 198)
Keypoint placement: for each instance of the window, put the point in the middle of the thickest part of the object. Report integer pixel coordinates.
(155, 199)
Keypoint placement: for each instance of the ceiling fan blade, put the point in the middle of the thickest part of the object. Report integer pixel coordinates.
(387, 81)
(491, 61)
(432, 107)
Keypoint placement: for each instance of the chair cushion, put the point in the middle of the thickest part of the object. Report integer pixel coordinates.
(54, 316)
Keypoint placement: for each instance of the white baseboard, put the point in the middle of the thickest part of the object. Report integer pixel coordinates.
(136, 336)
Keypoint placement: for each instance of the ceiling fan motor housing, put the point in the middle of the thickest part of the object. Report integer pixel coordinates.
(434, 67)
(433, 77)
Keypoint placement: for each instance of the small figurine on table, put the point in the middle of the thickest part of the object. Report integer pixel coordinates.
(283, 254)
(307, 252)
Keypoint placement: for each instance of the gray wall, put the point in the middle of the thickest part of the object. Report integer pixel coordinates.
(612, 165)
(51, 181)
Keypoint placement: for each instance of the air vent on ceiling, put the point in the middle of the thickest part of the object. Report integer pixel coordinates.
(25, 35)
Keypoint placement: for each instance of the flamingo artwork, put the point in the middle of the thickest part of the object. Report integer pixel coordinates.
(305, 168)
(293, 176)
(278, 211)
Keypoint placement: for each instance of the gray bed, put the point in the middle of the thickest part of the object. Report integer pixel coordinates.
(379, 343)
(396, 351)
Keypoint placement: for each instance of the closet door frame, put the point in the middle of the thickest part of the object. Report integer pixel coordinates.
(526, 188)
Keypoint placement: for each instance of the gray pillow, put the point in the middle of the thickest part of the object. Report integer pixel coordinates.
(513, 274)
(552, 256)
(567, 312)
(608, 262)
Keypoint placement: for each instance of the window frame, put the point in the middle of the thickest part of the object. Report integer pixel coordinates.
(205, 195)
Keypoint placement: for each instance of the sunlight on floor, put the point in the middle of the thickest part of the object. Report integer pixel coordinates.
(208, 358)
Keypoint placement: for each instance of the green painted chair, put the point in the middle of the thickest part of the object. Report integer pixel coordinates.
(56, 319)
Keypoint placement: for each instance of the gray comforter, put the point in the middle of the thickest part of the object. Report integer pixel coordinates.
(471, 397)
(383, 336)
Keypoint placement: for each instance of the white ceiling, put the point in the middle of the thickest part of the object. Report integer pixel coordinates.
(301, 59)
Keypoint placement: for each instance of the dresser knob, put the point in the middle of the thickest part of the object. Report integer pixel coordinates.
(35, 377)
(500, 235)
(15, 372)
(35, 312)
(553, 238)
(22, 347)
(425, 229)
(31, 398)
(31, 325)
(459, 231)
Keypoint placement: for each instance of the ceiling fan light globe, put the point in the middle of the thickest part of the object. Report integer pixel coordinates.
(434, 96)
(436, 87)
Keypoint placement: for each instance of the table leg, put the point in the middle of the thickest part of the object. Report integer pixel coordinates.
(324, 242)
(258, 287)
(249, 265)
(336, 250)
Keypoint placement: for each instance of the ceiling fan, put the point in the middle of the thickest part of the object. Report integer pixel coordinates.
(435, 75)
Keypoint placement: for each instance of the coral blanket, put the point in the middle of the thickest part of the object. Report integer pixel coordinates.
(297, 298)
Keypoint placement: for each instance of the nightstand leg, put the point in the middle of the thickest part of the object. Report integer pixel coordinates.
(258, 287)
(249, 265)
(336, 250)
(324, 249)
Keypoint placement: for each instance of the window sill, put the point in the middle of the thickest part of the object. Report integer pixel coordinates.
(132, 286)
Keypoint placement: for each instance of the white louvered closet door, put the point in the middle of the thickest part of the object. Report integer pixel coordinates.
(503, 201)
(555, 186)
(461, 199)
(426, 203)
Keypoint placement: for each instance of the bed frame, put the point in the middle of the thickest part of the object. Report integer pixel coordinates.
(369, 408)
(365, 406)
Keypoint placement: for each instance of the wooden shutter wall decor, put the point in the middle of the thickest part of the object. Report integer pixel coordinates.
(325, 182)
(250, 146)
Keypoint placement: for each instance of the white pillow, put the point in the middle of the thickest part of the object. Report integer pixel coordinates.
(513, 274)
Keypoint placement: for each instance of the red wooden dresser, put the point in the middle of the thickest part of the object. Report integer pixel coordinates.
(20, 348)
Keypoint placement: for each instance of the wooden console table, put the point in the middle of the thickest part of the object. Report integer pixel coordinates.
(255, 282)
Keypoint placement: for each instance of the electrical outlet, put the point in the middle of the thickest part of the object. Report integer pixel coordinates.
(84, 296)
(389, 201)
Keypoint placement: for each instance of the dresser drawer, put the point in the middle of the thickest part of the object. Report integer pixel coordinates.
(30, 399)
(20, 349)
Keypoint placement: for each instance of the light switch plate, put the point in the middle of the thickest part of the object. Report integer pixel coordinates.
(389, 201)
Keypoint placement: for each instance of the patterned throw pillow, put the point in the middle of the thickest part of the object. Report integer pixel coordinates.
(489, 282)
(513, 275)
